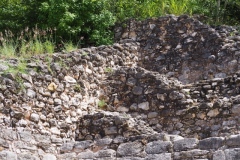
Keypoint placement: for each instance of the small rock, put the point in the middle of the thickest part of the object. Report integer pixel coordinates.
(3, 67)
(31, 93)
(213, 113)
(34, 117)
(52, 87)
(137, 90)
(55, 130)
(70, 79)
(131, 82)
(144, 106)
(152, 114)
(236, 109)
(57, 101)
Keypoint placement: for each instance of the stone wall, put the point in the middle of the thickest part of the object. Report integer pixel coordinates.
(183, 47)
(167, 90)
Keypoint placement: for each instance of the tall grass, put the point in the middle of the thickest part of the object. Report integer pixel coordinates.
(30, 42)
(178, 7)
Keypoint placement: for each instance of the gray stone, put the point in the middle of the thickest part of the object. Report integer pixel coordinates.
(4, 143)
(111, 130)
(3, 67)
(70, 79)
(163, 156)
(152, 114)
(27, 77)
(55, 139)
(232, 154)
(106, 153)
(233, 141)
(55, 130)
(144, 106)
(211, 143)
(42, 138)
(236, 109)
(137, 90)
(103, 142)
(157, 147)
(185, 144)
(219, 155)
(25, 146)
(175, 95)
(86, 155)
(66, 147)
(49, 157)
(7, 155)
(131, 81)
(28, 156)
(34, 117)
(8, 134)
(31, 93)
(67, 156)
(213, 113)
(192, 154)
(57, 101)
(82, 145)
(26, 136)
(130, 158)
(129, 149)
(58, 108)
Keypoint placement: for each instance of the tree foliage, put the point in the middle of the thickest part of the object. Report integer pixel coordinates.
(90, 21)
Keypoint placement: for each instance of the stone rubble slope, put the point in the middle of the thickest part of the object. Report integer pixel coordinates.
(168, 90)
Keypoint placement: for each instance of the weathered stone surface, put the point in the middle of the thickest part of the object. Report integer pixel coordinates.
(69, 79)
(109, 153)
(49, 157)
(7, 155)
(144, 105)
(158, 147)
(211, 143)
(219, 155)
(137, 90)
(34, 117)
(129, 149)
(86, 155)
(67, 147)
(192, 154)
(185, 144)
(232, 154)
(27, 156)
(163, 156)
(233, 141)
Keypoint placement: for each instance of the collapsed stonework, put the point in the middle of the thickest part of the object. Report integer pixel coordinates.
(168, 89)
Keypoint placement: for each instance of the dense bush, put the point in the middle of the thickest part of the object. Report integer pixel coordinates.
(89, 22)
(75, 20)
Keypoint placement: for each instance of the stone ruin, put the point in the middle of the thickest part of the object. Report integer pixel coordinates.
(168, 89)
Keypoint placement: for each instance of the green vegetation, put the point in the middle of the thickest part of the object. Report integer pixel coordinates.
(29, 27)
(102, 104)
(21, 67)
(108, 70)
(77, 88)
